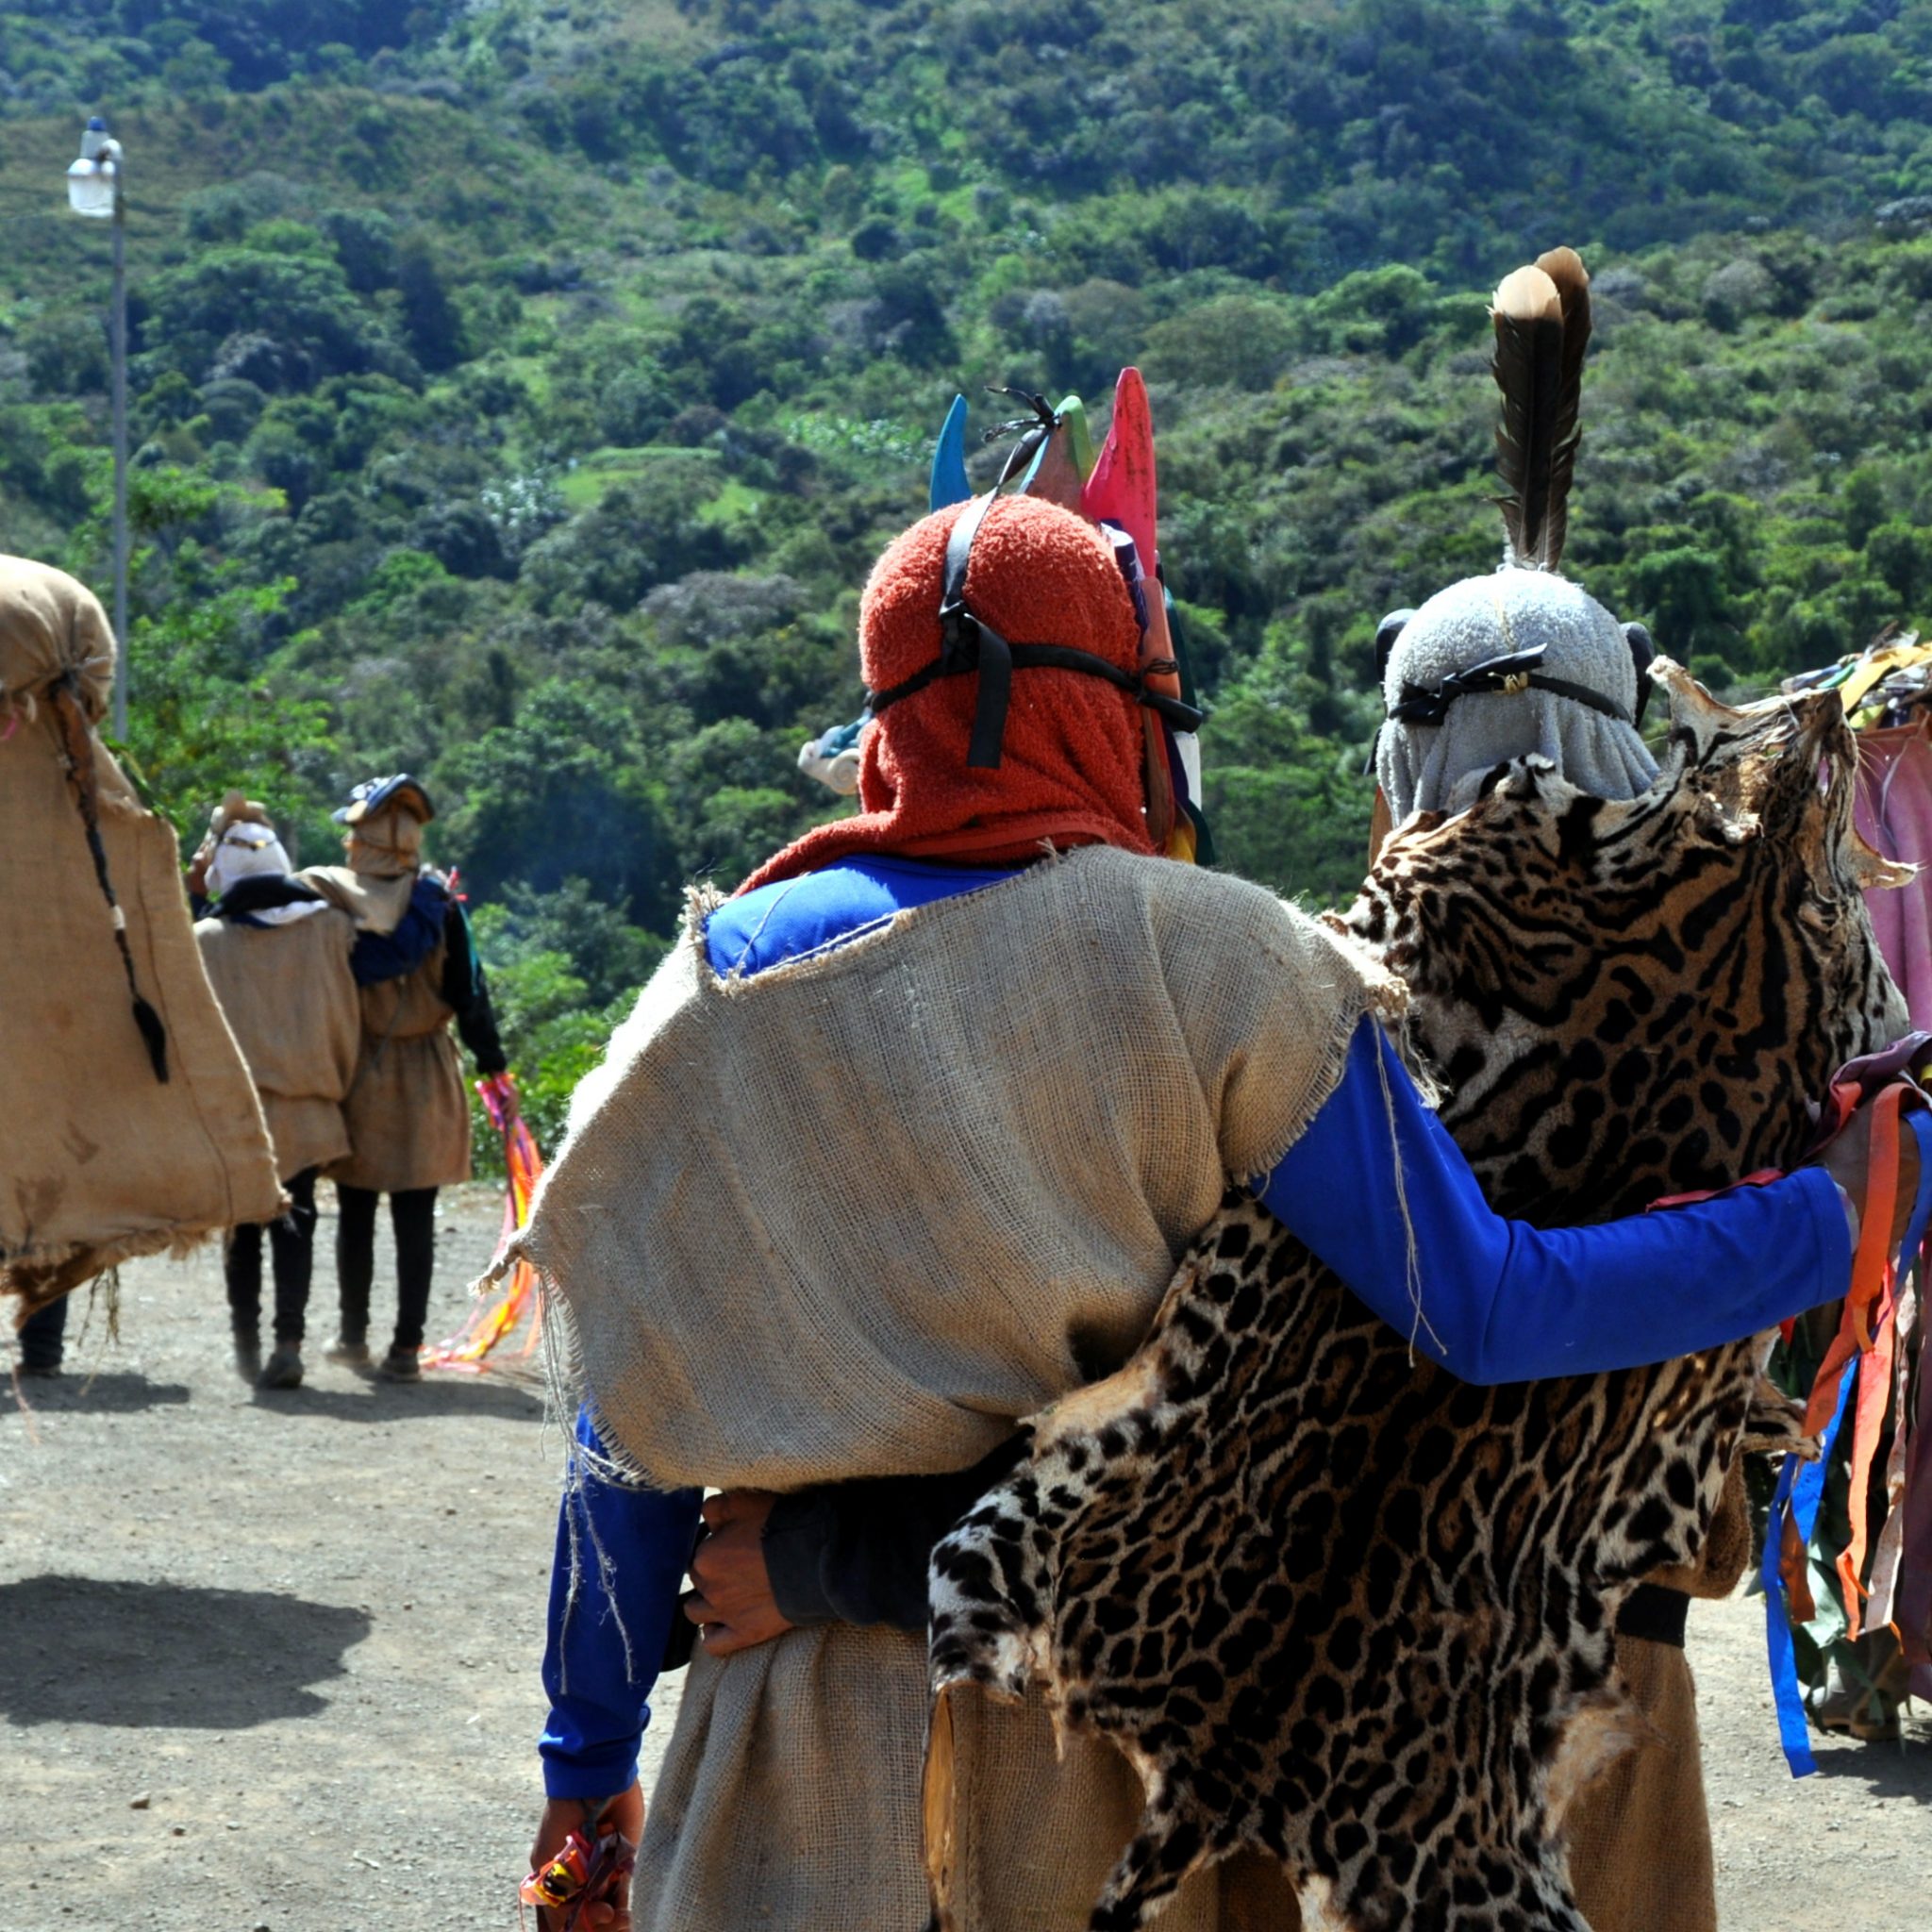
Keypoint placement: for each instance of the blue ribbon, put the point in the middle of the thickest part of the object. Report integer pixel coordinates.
(1801, 1486)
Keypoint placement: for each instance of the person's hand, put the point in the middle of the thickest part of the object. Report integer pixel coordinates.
(502, 1090)
(1848, 1161)
(733, 1606)
(198, 865)
(562, 1816)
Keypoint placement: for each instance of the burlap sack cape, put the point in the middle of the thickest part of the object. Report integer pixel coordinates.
(290, 1004)
(855, 1216)
(407, 1112)
(99, 1159)
(407, 1115)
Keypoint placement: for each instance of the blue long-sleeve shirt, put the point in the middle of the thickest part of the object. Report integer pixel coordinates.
(625, 1548)
(1504, 1301)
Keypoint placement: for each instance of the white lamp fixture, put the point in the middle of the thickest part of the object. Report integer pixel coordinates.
(94, 186)
(93, 182)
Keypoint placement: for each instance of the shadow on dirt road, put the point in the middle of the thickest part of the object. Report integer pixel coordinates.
(437, 1396)
(1886, 1770)
(85, 1651)
(110, 1392)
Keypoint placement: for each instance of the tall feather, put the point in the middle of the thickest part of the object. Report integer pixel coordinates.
(1527, 312)
(1564, 267)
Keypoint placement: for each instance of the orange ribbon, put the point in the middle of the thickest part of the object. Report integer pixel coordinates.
(1872, 1266)
(1866, 1328)
(1868, 1424)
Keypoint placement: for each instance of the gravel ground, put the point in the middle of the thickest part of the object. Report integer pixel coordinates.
(271, 1660)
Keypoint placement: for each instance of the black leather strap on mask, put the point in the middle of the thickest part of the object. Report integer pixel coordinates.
(1642, 656)
(969, 643)
(1514, 672)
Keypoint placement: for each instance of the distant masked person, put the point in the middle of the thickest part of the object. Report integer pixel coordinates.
(1641, 1854)
(278, 956)
(1524, 662)
(407, 1112)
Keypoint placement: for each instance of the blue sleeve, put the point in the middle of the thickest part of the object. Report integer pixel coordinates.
(380, 955)
(604, 1646)
(1502, 1301)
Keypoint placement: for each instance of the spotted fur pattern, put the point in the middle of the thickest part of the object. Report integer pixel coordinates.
(1328, 1600)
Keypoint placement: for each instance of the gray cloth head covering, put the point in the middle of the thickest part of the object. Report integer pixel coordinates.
(1438, 767)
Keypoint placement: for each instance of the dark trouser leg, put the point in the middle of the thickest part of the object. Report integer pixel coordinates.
(412, 1215)
(354, 1257)
(41, 1335)
(291, 1247)
(242, 1267)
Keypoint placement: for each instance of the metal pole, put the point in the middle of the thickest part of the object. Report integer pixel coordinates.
(118, 332)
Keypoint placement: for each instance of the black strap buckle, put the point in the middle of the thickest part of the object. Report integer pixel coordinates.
(1514, 670)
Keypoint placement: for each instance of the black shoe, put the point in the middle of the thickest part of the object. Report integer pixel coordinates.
(42, 1371)
(400, 1365)
(284, 1369)
(350, 1352)
(248, 1357)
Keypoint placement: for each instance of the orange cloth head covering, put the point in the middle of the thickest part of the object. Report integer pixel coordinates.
(1071, 770)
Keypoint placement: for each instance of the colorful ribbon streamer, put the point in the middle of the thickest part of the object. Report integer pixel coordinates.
(1801, 1486)
(467, 1351)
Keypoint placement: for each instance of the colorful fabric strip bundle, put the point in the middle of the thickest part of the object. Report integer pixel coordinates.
(467, 1351)
(1864, 1376)
(1873, 1372)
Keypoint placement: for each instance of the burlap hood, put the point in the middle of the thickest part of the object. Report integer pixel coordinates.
(51, 624)
(377, 904)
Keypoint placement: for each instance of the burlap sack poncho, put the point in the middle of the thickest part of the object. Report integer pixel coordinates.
(100, 1161)
(406, 1113)
(856, 1217)
(288, 999)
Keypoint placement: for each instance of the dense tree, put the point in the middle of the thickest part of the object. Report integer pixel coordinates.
(522, 392)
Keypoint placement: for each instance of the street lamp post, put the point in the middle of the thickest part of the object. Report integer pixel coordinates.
(97, 186)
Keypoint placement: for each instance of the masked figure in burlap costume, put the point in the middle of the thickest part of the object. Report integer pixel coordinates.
(901, 1145)
(407, 1112)
(277, 955)
(1518, 663)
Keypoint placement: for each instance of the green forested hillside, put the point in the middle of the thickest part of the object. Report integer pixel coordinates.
(521, 390)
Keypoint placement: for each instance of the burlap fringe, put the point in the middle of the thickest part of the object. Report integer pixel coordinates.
(37, 1278)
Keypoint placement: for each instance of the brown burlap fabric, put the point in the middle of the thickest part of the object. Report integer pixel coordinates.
(407, 1115)
(290, 1003)
(407, 1112)
(50, 624)
(100, 1161)
(762, 1817)
(857, 1215)
(377, 904)
(1640, 1835)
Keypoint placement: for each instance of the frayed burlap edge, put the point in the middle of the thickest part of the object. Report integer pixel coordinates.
(36, 1277)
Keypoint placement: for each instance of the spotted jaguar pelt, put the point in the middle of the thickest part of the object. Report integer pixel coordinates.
(1329, 1600)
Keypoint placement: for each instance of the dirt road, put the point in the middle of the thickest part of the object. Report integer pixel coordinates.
(271, 1660)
